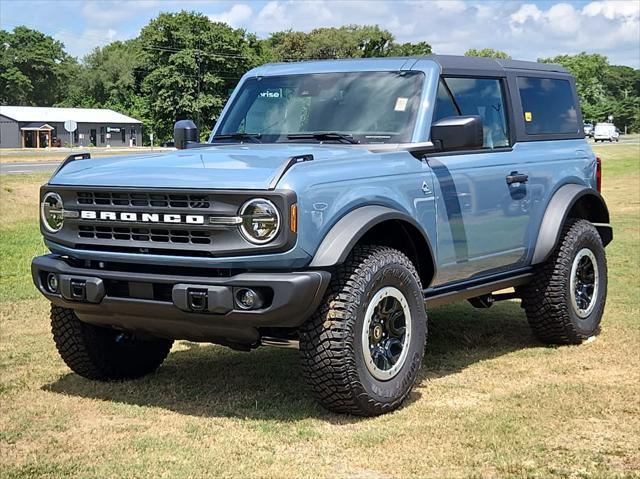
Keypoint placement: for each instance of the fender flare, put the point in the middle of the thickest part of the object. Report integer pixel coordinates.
(343, 236)
(557, 212)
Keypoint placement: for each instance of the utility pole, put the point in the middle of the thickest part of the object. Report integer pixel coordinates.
(199, 79)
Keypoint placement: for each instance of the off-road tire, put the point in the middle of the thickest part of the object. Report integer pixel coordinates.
(547, 299)
(330, 341)
(101, 353)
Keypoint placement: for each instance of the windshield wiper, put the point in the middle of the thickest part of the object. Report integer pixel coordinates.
(324, 135)
(253, 137)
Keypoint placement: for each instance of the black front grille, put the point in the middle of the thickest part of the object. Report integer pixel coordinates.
(157, 235)
(144, 200)
(121, 232)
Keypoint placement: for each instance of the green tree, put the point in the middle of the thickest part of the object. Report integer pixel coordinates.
(352, 41)
(188, 64)
(34, 68)
(106, 78)
(621, 81)
(410, 49)
(287, 45)
(487, 52)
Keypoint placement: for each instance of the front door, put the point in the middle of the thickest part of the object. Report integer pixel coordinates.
(44, 138)
(92, 136)
(482, 196)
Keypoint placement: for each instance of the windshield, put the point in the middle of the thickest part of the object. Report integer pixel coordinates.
(361, 107)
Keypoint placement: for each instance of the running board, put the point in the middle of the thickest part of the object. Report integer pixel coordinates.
(452, 294)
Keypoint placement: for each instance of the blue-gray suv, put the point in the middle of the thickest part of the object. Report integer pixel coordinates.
(333, 204)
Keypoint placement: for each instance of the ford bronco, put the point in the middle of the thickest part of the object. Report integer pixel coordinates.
(332, 205)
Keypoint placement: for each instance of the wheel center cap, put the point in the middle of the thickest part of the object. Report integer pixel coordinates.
(377, 333)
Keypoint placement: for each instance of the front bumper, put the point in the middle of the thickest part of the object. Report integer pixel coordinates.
(161, 304)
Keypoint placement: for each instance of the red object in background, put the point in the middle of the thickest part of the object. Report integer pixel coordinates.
(598, 174)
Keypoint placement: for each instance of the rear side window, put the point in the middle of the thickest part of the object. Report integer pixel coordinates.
(475, 96)
(548, 106)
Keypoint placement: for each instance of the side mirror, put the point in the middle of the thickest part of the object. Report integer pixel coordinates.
(458, 133)
(185, 132)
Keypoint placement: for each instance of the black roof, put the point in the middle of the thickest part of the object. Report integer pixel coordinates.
(461, 63)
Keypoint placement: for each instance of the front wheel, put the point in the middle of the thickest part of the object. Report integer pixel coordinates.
(101, 353)
(565, 301)
(362, 350)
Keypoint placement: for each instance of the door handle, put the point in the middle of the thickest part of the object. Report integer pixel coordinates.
(515, 177)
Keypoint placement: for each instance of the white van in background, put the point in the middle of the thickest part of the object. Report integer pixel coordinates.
(606, 132)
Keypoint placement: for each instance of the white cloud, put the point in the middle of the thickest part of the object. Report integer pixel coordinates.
(236, 16)
(526, 12)
(526, 29)
(613, 9)
(563, 19)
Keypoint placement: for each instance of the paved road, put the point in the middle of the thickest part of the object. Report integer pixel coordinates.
(622, 141)
(41, 166)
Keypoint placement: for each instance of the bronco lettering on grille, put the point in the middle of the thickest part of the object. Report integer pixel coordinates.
(142, 217)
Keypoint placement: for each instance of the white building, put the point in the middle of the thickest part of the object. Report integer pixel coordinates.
(41, 127)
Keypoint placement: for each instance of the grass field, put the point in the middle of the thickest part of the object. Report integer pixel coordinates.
(490, 400)
(33, 155)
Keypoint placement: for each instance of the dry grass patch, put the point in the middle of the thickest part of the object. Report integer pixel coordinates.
(19, 198)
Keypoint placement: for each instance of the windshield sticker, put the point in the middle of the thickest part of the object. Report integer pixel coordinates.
(272, 93)
(401, 104)
(528, 116)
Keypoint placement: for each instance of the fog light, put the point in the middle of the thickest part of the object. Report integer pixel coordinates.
(52, 283)
(248, 298)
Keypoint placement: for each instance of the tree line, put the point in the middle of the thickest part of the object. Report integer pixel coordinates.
(183, 65)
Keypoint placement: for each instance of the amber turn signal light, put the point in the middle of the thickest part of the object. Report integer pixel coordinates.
(293, 218)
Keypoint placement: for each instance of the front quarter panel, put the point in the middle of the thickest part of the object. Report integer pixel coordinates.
(328, 190)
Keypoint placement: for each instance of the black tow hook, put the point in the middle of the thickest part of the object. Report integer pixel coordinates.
(197, 300)
(202, 298)
(85, 289)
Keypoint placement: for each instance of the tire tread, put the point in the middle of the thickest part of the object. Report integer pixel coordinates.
(545, 298)
(326, 339)
(83, 348)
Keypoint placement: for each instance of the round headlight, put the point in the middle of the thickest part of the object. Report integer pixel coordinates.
(260, 221)
(51, 212)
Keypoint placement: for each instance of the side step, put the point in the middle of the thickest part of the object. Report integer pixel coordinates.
(451, 294)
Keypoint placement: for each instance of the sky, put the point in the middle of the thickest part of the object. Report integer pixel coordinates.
(527, 30)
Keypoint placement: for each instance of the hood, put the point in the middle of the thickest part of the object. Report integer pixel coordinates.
(218, 167)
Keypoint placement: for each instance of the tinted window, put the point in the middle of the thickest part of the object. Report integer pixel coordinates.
(548, 106)
(477, 96)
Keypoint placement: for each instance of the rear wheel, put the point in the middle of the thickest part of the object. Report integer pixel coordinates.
(104, 353)
(362, 350)
(565, 301)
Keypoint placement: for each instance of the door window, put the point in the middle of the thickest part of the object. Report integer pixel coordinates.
(475, 96)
